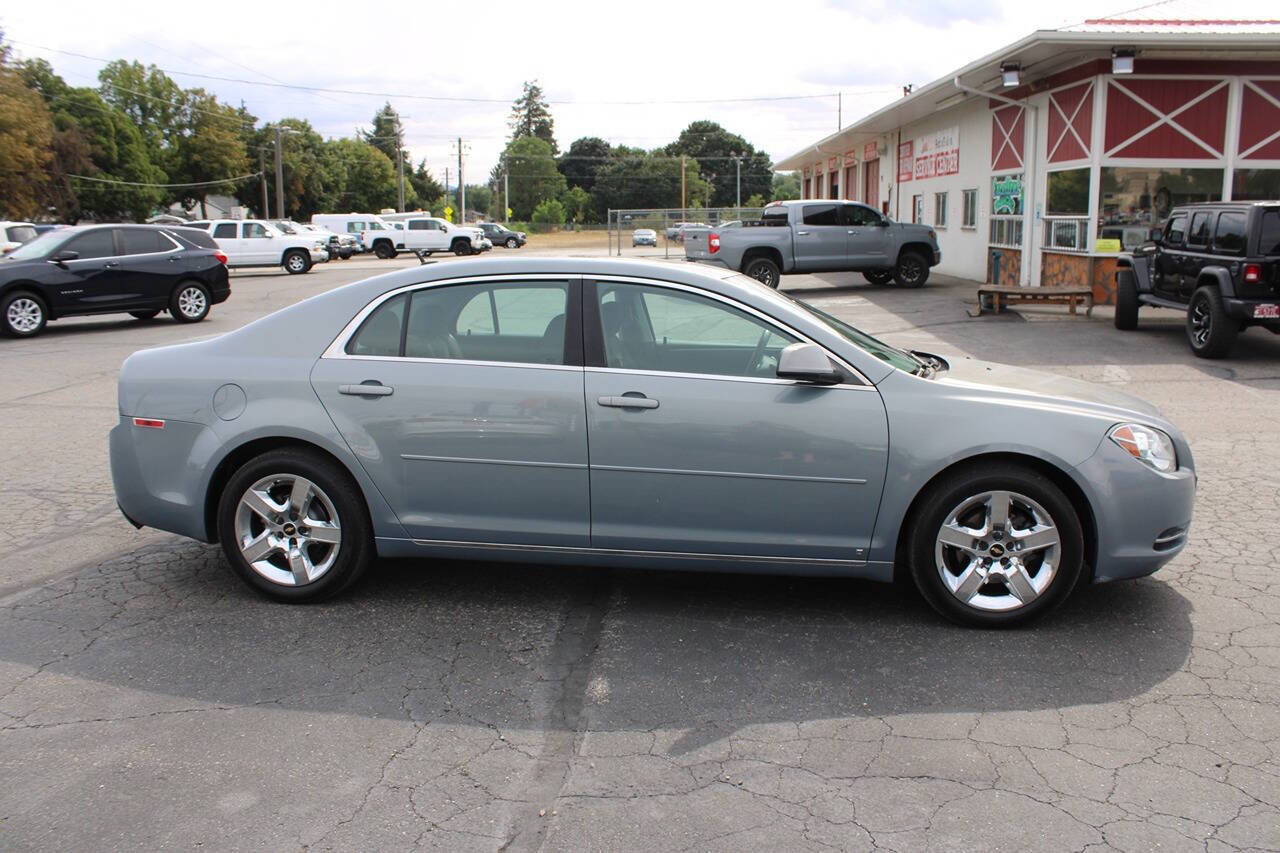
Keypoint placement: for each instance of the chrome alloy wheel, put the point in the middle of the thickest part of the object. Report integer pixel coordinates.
(295, 263)
(24, 315)
(998, 551)
(191, 302)
(287, 530)
(1201, 321)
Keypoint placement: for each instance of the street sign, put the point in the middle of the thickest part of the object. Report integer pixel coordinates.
(508, 213)
(448, 213)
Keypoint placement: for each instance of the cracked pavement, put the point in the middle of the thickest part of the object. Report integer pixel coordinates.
(149, 699)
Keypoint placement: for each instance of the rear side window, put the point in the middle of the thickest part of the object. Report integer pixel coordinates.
(417, 225)
(1176, 231)
(354, 227)
(225, 230)
(196, 237)
(774, 216)
(1199, 235)
(509, 322)
(382, 331)
(1229, 236)
(143, 241)
(1269, 240)
(821, 214)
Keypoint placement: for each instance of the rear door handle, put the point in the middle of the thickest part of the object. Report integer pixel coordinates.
(368, 388)
(110, 264)
(628, 402)
(802, 233)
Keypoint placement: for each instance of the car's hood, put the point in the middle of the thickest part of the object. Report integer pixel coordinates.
(1023, 380)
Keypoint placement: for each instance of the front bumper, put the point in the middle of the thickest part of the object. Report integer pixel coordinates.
(1142, 517)
(319, 256)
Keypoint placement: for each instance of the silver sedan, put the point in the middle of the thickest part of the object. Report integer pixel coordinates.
(447, 411)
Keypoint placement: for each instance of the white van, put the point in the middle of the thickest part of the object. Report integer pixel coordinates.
(364, 225)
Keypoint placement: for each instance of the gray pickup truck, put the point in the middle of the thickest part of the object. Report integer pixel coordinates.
(819, 236)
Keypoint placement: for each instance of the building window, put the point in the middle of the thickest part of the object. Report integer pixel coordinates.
(940, 210)
(1007, 194)
(917, 209)
(970, 214)
(1068, 193)
(1134, 200)
(1255, 184)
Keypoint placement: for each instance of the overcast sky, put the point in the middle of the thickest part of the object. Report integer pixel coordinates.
(584, 54)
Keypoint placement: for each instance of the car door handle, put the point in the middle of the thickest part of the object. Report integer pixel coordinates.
(110, 264)
(368, 388)
(802, 233)
(628, 402)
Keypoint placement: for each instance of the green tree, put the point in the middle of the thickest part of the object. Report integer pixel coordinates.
(425, 187)
(646, 180)
(756, 201)
(531, 116)
(369, 177)
(716, 149)
(533, 176)
(548, 212)
(479, 197)
(26, 135)
(157, 106)
(577, 205)
(211, 148)
(786, 186)
(585, 157)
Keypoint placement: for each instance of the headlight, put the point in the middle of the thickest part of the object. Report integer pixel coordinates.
(1149, 446)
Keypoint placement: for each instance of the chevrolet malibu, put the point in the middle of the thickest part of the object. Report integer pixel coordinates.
(628, 413)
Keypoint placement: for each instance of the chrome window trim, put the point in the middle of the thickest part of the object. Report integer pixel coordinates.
(463, 361)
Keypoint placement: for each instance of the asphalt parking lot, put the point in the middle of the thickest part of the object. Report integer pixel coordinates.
(149, 699)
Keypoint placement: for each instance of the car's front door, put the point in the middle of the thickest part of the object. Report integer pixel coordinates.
(868, 238)
(1166, 267)
(464, 404)
(821, 238)
(257, 244)
(698, 448)
(88, 282)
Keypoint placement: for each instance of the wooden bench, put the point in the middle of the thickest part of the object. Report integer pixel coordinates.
(1003, 295)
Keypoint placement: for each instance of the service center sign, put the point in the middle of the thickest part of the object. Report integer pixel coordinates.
(931, 156)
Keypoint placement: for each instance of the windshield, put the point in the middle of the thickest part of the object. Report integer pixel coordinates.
(891, 355)
(286, 227)
(42, 246)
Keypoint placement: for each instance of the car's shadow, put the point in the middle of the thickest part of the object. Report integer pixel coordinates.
(521, 646)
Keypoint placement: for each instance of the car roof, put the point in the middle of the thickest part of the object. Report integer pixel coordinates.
(1218, 204)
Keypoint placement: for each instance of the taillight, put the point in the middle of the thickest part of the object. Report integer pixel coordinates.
(1252, 273)
(713, 242)
(221, 256)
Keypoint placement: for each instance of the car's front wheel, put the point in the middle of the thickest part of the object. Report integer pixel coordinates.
(296, 262)
(461, 247)
(24, 314)
(294, 526)
(1210, 331)
(513, 243)
(996, 545)
(764, 271)
(190, 302)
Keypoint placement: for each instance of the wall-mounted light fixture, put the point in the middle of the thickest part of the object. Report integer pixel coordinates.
(1009, 73)
(1122, 60)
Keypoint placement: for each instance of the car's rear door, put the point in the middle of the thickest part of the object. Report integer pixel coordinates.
(821, 238)
(227, 236)
(150, 264)
(463, 401)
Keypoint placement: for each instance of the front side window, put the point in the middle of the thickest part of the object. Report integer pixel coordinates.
(21, 233)
(821, 214)
(940, 210)
(654, 328)
(1229, 235)
(1176, 231)
(225, 230)
(254, 230)
(97, 243)
(859, 215)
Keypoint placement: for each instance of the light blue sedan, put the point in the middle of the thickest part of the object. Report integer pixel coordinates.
(626, 413)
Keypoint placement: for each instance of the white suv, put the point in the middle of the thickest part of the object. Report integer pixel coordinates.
(257, 243)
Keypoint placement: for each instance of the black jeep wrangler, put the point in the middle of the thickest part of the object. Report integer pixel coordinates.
(1219, 261)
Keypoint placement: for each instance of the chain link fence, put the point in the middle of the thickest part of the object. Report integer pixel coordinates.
(623, 224)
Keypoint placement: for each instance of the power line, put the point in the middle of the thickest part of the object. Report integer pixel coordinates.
(164, 186)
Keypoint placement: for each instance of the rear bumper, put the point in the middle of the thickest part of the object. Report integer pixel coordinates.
(1242, 309)
(150, 488)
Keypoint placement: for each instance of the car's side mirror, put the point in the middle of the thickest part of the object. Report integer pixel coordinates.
(1156, 235)
(64, 256)
(808, 363)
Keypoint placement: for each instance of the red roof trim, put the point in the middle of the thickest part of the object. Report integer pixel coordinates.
(1183, 22)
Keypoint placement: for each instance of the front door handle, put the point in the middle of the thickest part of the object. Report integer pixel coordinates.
(802, 233)
(368, 388)
(628, 402)
(111, 264)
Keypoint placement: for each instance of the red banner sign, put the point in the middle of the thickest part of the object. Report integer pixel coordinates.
(871, 151)
(832, 163)
(905, 161)
(937, 154)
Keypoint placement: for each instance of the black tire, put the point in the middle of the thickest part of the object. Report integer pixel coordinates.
(384, 250)
(461, 247)
(24, 314)
(346, 256)
(1126, 301)
(878, 277)
(912, 270)
(1210, 331)
(963, 487)
(513, 243)
(190, 302)
(764, 271)
(355, 550)
(296, 262)
(144, 315)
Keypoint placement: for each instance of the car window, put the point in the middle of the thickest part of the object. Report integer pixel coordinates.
(1228, 237)
(417, 225)
(195, 237)
(856, 214)
(655, 328)
(774, 216)
(354, 227)
(225, 230)
(381, 332)
(821, 214)
(21, 233)
(1199, 234)
(201, 225)
(1176, 230)
(97, 243)
(507, 322)
(253, 230)
(1269, 238)
(143, 241)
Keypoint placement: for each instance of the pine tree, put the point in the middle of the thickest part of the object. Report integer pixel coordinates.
(531, 116)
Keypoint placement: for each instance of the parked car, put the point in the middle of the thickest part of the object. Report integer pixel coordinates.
(445, 411)
(820, 236)
(644, 237)
(500, 235)
(46, 227)
(14, 234)
(677, 232)
(356, 224)
(428, 234)
(337, 245)
(108, 269)
(1219, 262)
(258, 243)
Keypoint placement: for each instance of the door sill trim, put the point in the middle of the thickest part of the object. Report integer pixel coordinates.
(626, 552)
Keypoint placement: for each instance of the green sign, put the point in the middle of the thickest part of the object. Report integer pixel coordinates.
(1006, 195)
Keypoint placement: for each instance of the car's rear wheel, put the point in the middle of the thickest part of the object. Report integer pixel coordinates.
(912, 270)
(296, 262)
(24, 314)
(1210, 331)
(190, 302)
(996, 545)
(764, 271)
(294, 526)
(513, 243)
(144, 315)
(1126, 301)
(879, 277)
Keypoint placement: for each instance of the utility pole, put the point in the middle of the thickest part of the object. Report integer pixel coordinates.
(400, 170)
(279, 178)
(262, 179)
(462, 189)
(506, 192)
(737, 159)
(446, 186)
(682, 196)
